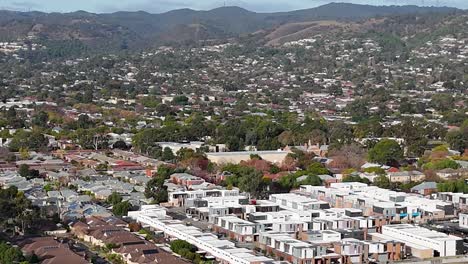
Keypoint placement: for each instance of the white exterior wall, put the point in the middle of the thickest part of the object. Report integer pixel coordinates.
(223, 201)
(237, 157)
(236, 225)
(307, 253)
(247, 230)
(372, 195)
(331, 237)
(445, 245)
(202, 245)
(153, 210)
(463, 220)
(376, 248)
(289, 227)
(199, 194)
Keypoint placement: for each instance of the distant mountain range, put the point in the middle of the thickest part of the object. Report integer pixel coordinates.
(140, 29)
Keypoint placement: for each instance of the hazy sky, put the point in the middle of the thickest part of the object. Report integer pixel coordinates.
(158, 6)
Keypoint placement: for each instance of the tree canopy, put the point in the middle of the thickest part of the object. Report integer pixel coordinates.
(387, 151)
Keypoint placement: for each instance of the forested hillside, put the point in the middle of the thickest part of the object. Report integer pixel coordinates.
(82, 31)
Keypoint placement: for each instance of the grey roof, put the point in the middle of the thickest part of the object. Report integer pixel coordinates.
(184, 176)
(57, 175)
(325, 177)
(405, 173)
(424, 185)
(462, 163)
(302, 178)
(55, 194)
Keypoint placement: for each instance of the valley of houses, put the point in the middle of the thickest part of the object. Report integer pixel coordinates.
(339, 222)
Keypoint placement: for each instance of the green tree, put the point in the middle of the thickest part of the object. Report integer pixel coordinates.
(114, 198)
(317, 168)
(355, 178)
(441, 164)
(24, 170)
(29, 140)
(12, 118)
(167, 154)
(187, 251)
(358, 109)
(40, 119)
(442, 102)
(24, 153)
(382, 182)
(376, 170)
(313, 180)
(87, 96)
(115, 259)
(458, 139)
(34, 259)
(368, 128)
(122, 208)
(340, 134)
(120, 145)
(164, 172)
(415, 136)
(161, 196)
(387, 151)
(251, 181)
(9, 254)
(48, 187)
(84, 122)
(155, 188)
(178, 245)
(180, 100)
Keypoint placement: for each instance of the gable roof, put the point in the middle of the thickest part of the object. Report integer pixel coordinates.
(424, 186)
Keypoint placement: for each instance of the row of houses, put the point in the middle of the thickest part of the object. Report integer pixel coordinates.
(102, 232)
(51, 251)
(374, 201)
(223, 251)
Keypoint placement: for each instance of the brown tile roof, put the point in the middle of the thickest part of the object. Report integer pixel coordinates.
(148, 253)
(80, 228)
(94, 221)
(68, 259)
(122, 238)
(34, 244)
(52, 251)
(131, 246)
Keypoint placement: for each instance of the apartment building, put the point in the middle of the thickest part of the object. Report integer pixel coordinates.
(298, 202)
(463, 220)
(423, 243)
(290, 249)
(235, 228)
(374, 201)
(179, 197)
(223, 250)
(459, 200)
(355, 251)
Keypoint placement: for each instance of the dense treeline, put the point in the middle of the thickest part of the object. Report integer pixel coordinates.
(453, 186)
(16, 210)
(272, 132)
(10, 254)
